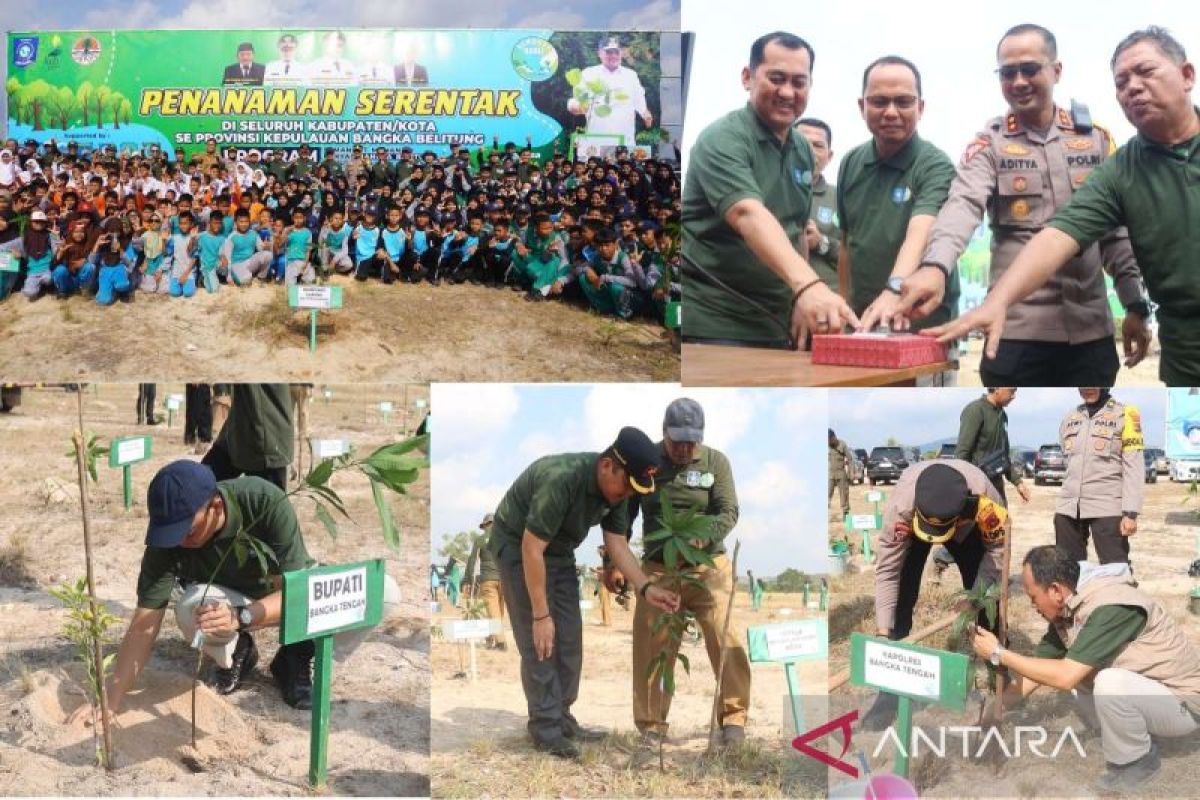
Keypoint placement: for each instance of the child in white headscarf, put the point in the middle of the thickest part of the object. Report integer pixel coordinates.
(10, 171)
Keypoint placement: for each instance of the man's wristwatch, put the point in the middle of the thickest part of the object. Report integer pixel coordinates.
(244, 617)
(1139, 307)
(894, 284)
(997, 652)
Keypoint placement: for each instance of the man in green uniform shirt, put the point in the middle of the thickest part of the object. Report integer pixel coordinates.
(193, 521)
(889, 192)
(481, 565)
(746, 201)
(544, 517)
(694, 476)
(840, 459)
(257, 438)
(1134, 672)
(983, 439)
(822, 234)
(1151, 185)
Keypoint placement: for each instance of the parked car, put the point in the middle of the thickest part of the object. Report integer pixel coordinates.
(1161, 463)
(947, 450)
(1151, 467)
(1024, 457)
(1049, 464)
(886, 464)
(858, 472)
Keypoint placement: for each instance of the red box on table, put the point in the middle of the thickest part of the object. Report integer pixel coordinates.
(890, 351)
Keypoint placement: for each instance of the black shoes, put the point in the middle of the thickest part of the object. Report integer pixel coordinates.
(245, 659)
(1130, 777)
(574, 731)
(292, 668)
(559, 748)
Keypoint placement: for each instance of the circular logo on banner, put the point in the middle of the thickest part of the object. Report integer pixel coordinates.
(534, 59)
(86, 50)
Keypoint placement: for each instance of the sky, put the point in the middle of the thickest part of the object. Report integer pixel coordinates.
(488, 433)
(867, 417)
(952, 43)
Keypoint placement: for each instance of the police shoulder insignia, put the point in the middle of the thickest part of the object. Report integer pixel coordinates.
(1108, 137)
(974, 148)
(1131, 434)
(991, 518)
(1014, 149)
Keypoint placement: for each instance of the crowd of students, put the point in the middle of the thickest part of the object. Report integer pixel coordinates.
(112, 225)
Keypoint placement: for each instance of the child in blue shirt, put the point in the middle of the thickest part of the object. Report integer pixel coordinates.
(334, 240)
(210, 242)
(366, 245)
(298, 249)
(392, 241)
(183, 257)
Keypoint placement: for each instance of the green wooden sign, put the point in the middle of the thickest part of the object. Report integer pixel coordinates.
(318, 603)
(909, 670)
(314, 298)
(327, 600)
(674, 316)
(124, 452)
(802, 640)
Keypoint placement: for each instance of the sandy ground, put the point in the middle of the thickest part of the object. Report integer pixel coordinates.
(1162, 549)
(1143, 374)
(250, 743)
(383, 333)
(480, 747)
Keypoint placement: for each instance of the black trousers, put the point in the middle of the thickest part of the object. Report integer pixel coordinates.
(217, 459)
(1025, 363)
(968, 554)
(552, 685)
(197, 413)
(147, 392)
(496, 264)
(998, 482)
(1071, 534)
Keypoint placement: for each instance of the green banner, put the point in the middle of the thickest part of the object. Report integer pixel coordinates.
(273, 89)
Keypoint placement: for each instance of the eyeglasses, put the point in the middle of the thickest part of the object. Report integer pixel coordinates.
(1027, 69)
(902, 102)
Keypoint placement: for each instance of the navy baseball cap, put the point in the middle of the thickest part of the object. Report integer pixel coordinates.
(639, 457)
(178, 491)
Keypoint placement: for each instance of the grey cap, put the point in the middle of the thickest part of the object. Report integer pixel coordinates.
(610, 43)
(684, 421)
(487, 520)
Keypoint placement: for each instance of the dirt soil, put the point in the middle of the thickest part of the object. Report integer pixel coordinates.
(1164, 546)
(416, 333)
(250, 742)
(1143, 374)
(480, 748)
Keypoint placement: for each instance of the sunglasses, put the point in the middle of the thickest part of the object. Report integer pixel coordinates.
(1027, 69)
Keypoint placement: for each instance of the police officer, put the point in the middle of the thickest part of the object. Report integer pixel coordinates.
(948, 502)
(839, 470)
(481, 565)
(1020, 168)
(822, 233)
(1102, 492)
(983, 439)
(1148, 185)
(544, 516)
(694, 476)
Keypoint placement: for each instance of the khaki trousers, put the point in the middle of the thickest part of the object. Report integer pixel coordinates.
(650, 707)
(493, 598)
(605, 605)
(1130, 708)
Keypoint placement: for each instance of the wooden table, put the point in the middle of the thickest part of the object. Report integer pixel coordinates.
(719, 365)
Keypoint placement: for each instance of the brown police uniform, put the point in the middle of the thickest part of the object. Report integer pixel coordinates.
(902, 555)
(839, 478)
(1020, 177)
(1104, 480)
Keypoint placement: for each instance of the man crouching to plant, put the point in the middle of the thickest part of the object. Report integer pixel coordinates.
(193, 523)
(1134, 673)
